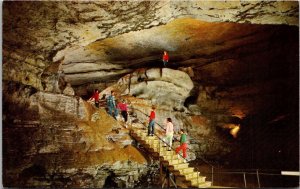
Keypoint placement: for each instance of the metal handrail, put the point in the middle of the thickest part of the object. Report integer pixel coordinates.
(233, 171)
(237, 171)
(175, 138)
(197, 170)
(161, 139)
(256, 172)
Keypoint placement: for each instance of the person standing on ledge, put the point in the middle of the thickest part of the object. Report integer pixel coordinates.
(165, 58)
(96, 98)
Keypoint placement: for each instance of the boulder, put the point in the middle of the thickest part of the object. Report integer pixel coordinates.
(166, 88)
(48, 102)
(69, 90)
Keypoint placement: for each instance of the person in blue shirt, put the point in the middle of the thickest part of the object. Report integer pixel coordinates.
(111, 104)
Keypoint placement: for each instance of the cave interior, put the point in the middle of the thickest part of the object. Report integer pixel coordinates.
(244, 73)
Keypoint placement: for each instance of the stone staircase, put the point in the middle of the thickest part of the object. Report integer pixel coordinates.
(186, 176)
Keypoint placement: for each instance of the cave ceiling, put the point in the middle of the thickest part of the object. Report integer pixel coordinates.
(190, 42)
(94, 37)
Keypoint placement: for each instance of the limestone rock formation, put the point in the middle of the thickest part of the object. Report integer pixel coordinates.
(239, 74)
(69, 90)
(168, 89)
(165, 87)
(49, 103)
(34, 43)
(62, 141)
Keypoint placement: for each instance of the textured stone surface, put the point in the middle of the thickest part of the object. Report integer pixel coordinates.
(69, 90)
(167, 92)
(204, 138)
(164, 87)
(48, 103)
(31, 43)
(62, 141)
(243, 71)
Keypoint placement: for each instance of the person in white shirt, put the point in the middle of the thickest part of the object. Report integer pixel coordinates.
(169, 132)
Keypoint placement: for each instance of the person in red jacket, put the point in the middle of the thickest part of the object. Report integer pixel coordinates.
(151, 122)
(165, 58)
(96, 97)
(123, 107)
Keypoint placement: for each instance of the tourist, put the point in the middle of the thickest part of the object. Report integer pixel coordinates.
(96, 98)
(169, 133)
(151, 122)
(111, 104)
(183, 144)
(165, 58)
(123, 107)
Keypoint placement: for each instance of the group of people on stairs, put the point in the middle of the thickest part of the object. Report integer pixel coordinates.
(169, 127)
(113, 108)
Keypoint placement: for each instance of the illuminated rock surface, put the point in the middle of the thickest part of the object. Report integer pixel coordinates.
(231, 82)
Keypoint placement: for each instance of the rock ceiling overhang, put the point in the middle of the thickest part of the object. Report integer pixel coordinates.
(150, 14)
(36, 34)
(53, 26)
(190, 42)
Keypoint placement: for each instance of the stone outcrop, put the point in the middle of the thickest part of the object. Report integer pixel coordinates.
(240, 59)
(62, 141)
(164, 87)
(167, 90)
(49, 103)
(69, 90)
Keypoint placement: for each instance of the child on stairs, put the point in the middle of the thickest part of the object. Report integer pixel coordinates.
(183, 144)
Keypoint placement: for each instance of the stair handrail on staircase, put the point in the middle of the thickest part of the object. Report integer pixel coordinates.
(161, 139)
(175, 137)
(236, 171)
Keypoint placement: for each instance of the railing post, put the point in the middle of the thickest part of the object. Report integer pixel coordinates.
(159, 149)
(212, 175)
(197, 177)
(245, 183)
(257, 175)
(161, 173)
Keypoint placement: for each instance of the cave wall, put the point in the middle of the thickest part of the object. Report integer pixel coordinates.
(55, 140)
(242, 57)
